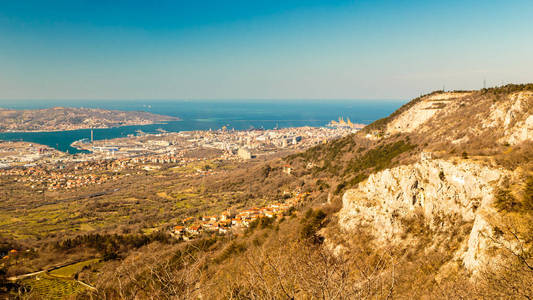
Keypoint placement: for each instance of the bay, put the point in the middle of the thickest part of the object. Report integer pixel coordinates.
(205, 115)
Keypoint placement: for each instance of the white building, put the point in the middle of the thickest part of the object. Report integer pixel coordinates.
(244, 153)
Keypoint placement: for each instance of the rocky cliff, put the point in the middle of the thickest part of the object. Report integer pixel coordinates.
(422, 111)
(453, 197)
(446, 194)
(501, 115)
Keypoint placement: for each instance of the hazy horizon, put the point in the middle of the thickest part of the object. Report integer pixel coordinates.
(259, 50)
(122, 104)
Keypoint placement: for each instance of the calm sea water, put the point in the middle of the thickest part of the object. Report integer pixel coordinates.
(205, 115)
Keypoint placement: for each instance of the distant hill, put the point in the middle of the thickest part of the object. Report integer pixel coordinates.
(65, 118)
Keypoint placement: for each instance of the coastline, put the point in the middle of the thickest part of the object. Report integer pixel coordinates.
(204, 117)
(85, 128)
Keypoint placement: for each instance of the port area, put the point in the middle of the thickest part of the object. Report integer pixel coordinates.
(232, 144)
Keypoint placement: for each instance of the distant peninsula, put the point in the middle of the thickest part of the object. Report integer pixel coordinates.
(68, 118)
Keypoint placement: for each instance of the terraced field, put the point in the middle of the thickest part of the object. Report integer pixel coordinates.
(45, 286)
(58, 283)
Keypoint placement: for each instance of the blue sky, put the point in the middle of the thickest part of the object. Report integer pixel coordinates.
(259, 49)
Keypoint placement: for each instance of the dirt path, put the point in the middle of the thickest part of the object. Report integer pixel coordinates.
(15, 278)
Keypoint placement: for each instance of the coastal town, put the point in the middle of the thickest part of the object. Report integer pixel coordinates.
(65, 175)
(232, 143)
(169, 146)
(42, 167)
(24, 154)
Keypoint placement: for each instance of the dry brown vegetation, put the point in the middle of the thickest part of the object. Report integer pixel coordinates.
(278, 262)
(303, 255)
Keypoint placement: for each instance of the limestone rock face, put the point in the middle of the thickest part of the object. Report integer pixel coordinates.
(508, 119)
(514, 117)
(422, 111)
(444, 192)
(444, 198)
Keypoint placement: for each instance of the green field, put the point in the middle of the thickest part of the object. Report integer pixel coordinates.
(71, 270)
(58, 283)
(138, 203)
(44, 286)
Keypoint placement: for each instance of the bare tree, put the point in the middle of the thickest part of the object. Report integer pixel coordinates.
(511, 274)
(154, 275)
(296, 270)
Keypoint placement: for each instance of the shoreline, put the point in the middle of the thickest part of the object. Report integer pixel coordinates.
(60, 130)
(70, 141)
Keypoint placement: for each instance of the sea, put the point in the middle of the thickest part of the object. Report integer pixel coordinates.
(205, 115)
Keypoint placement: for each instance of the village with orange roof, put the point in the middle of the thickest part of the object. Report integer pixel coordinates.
(232, 222)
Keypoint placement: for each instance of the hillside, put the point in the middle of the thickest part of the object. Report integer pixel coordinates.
(432, 202)
(449, 174)
(495, 125)
(64, 118)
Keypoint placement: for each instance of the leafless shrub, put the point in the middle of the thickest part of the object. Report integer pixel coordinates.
(153, 275)
(297, 270)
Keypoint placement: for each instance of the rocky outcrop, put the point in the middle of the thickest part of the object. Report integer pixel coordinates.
(451, 201)
(445, 193)
(422, 111)
(514, 117)
(461, 118)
